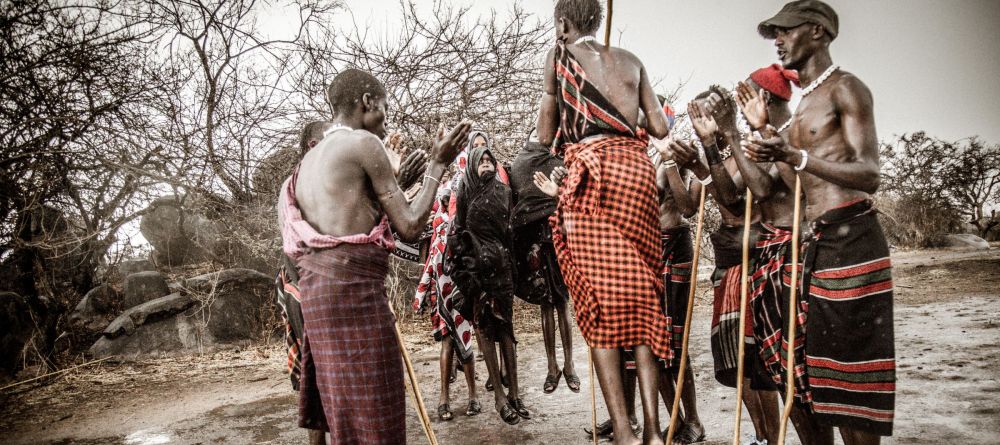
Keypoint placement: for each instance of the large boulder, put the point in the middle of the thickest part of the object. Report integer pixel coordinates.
(231, 306)
(94, 311)
(273, 171)
(239, 300)
(144, 286)
(16, 323)
(156, 326)
(965, 241)
(180, 235)
(135, 265)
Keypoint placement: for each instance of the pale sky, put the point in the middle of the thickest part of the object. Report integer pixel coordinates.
(931, 65)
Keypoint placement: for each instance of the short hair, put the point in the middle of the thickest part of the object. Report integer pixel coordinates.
(348, 87)
(312, 130)
(585, 15)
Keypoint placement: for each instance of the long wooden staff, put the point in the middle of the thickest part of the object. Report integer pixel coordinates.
(744, 284)
(590, 353)
(793, 316)
(418, 400)
(687, 318)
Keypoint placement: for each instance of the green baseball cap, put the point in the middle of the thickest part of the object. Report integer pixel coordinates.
(798, 12)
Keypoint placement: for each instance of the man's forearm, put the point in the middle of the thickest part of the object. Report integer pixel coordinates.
(754, 175)
(421, 205)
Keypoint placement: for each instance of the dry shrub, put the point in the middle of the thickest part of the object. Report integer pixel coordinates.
(913, 222)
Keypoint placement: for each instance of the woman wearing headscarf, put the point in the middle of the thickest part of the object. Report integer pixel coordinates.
(481, 265)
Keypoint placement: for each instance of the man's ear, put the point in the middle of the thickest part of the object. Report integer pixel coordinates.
(366, 102)
(818, 31)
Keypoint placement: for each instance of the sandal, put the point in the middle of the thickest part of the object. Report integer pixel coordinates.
(603, 429)
(444, 412)
(552, 382)
(687, 435)
(518, 406)
(573, 382)
(474, 408)
(509, 415)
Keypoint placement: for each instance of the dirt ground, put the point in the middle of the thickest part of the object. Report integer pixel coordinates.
(947, 322)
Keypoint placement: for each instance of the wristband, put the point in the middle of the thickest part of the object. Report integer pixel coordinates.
(432, 179)
(805, 158)
(712, 154)
(670, 163)
(705, 182)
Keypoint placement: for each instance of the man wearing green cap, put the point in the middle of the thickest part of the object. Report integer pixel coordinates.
(848, 380)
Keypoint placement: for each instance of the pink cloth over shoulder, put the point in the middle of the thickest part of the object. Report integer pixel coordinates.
(299, 238)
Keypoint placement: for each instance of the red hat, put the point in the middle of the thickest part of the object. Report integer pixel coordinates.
(776, 80)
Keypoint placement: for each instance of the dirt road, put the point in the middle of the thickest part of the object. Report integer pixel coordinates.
(948, 351)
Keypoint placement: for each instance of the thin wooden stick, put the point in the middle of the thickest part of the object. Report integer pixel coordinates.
(793, 316)
(61, 371)
(607, 26)
(743, 307)
(687, 319)
(418, 400)
(593, 396)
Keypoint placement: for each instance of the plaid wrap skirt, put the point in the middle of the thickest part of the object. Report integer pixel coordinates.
(606, 237)
(350, 339)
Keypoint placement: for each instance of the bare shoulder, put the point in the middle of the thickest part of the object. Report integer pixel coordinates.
(361, 143)
(849, 91)
(625, 55)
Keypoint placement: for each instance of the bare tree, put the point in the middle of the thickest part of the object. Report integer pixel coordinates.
(443, 65)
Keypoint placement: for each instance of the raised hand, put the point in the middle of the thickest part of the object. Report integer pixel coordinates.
(558, 174)
(447, 147)
(681, 152)
(753, 105)
(412, 168)
(703, 122)
(767, 149)
(546, 184)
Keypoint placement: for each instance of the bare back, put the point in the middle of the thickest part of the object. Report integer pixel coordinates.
(835, 123)
(615, 72)
(333, 189)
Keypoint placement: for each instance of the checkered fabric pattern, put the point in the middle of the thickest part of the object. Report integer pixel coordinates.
(605, 232)
(351, 340)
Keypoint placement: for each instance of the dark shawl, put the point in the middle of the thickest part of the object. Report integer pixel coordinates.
(531, 204)
(480, 261)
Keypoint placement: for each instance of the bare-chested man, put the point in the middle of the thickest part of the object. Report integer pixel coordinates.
(336, 210)
(605, 229)
(846, 278)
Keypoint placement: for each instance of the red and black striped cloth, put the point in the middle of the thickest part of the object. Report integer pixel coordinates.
(350, 338)
(845, 350)
(606, 226)
(850, 351)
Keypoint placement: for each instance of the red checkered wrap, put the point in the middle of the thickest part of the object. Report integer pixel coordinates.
(607, 239)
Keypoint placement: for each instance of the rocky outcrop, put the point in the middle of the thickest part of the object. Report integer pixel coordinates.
(135, 265)
(144, 286)
(95, 309)
(179, 234)
(15, 319)
(965, 241)
(227, 307)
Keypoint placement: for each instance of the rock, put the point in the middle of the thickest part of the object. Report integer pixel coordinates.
(136, 265)
(144, 286)
(157, 326)
(157, 309)
(239, 300)
(179, 235)
(273, 170)
(965, 241)
(15, 319)
(94, 310)
(228, 307)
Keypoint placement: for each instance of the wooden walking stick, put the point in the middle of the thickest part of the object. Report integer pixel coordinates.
(744, 284)
(679, 387)
(418, 400)
(590, 352)
(793, 316)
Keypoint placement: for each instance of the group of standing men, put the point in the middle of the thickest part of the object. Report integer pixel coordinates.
(618, 219)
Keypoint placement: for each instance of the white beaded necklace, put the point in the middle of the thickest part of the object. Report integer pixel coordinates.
(809, 89)
(585, 39)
